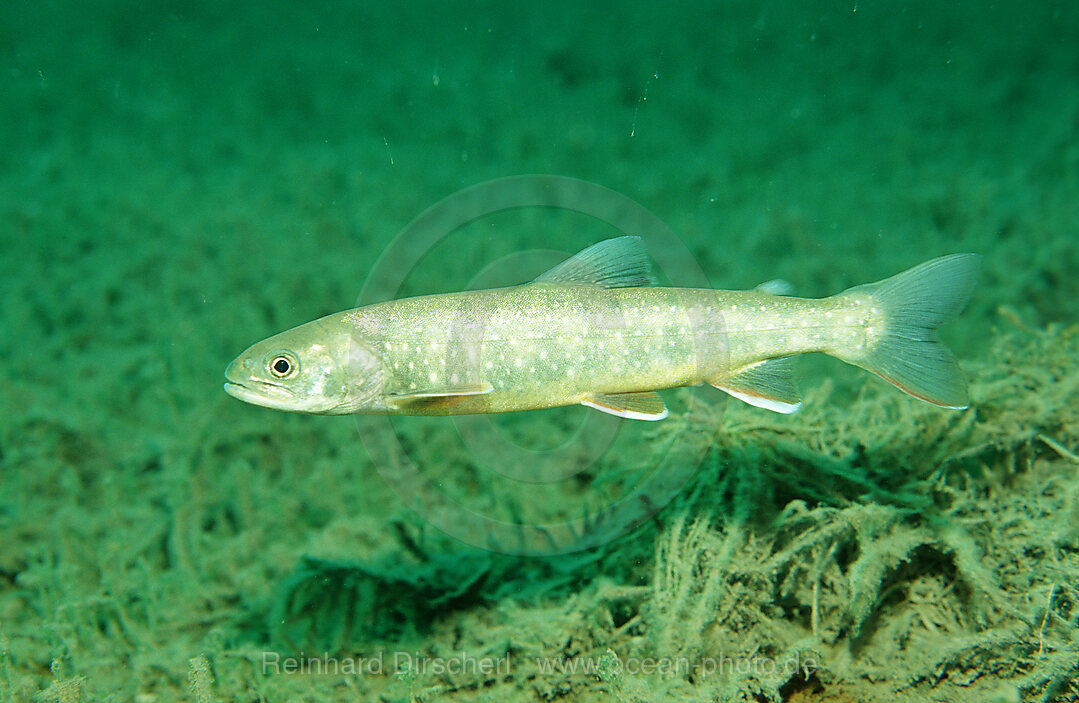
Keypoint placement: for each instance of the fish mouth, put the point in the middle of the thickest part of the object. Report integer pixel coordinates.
(265, 395)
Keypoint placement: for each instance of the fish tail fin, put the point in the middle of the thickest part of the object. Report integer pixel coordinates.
(913, 304)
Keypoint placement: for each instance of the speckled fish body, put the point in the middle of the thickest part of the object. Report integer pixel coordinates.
(591, 331)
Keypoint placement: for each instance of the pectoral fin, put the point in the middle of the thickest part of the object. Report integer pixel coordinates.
(767, 384)
(434, 396)
(635, 406)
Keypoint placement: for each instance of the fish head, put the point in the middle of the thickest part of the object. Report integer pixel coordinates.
(322, 367)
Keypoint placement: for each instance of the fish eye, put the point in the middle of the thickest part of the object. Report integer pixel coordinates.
(283, 366)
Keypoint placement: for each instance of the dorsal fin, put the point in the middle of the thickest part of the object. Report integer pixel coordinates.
(621, 262)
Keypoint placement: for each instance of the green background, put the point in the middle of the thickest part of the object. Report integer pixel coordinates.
(179, 180)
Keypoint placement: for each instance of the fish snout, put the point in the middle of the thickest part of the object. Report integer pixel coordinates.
(239, 370)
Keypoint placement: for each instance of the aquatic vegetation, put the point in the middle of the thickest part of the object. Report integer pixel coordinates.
(324, 605)
(331, 605)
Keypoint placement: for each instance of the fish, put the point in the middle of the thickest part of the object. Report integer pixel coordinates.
(595, 330)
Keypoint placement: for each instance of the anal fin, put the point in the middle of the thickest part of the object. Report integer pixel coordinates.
(645, 405)
(767, 384)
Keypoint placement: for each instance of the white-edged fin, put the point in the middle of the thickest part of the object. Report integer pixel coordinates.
(646, 405)
(447, 392)
(621, 262)
(767, 384)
